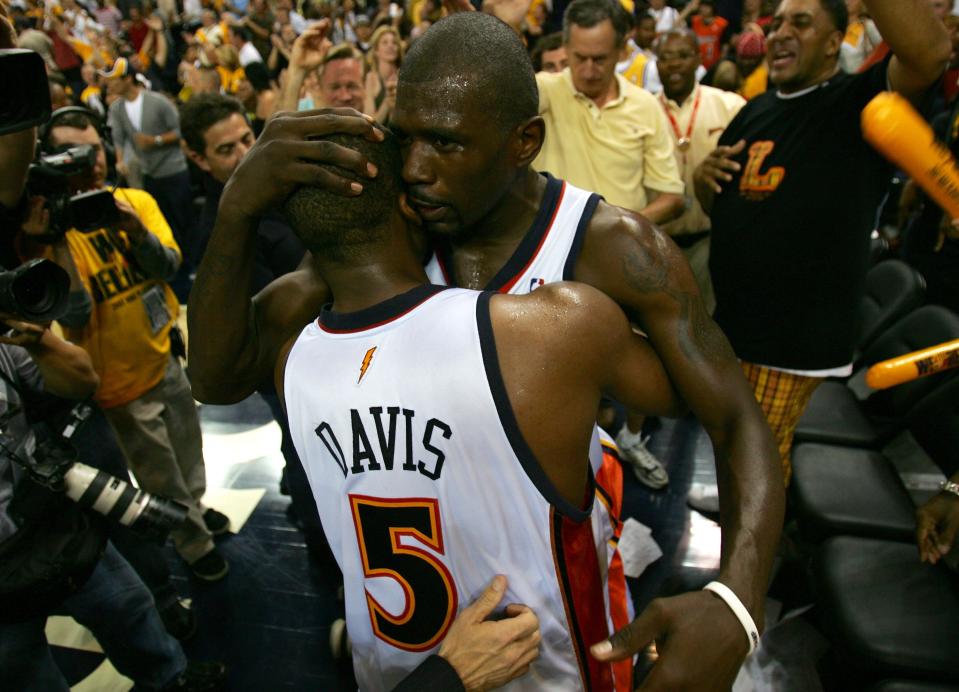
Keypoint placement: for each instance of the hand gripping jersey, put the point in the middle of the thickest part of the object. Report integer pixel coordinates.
(426, 489)
(548, 253)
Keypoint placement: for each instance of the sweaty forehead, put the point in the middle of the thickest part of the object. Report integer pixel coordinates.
(445, 101)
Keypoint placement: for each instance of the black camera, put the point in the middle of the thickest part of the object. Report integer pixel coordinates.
(55, 467)
(88, 211)
(37, 291)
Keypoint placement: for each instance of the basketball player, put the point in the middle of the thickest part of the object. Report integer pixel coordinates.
(448, 437)
(467, 110)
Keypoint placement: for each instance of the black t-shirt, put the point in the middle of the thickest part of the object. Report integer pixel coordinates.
(790, 232)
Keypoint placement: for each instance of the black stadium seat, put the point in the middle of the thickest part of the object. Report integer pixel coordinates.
(887, 614)
(836, 416)
(893, 290)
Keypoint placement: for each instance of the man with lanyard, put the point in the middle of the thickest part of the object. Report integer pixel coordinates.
(793, 190)
(697, 116)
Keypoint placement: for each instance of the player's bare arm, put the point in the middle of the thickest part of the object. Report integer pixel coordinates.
(560, 348)
(235, 340)
(642, 270)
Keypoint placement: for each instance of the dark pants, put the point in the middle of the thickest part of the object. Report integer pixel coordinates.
(117, 608)
(97, 446)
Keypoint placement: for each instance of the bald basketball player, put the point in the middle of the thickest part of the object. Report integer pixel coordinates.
(467, 109)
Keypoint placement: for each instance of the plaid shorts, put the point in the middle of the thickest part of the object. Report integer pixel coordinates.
(783, 397)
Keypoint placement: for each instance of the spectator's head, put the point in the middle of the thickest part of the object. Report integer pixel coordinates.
(750, 51)
(941, 8)
(707, 9)
(120, 79)
(208, 18)
(657, 4)
(363, 29)
(549, 55)
(287, 34)
(385, 47)
(594, 32)
(89, 74)
(805, 41)
(467, 113)
(345, 230)
(239, 36)
(73, 129)
(341, 78)
(227, 56)
(58, 95)
(258, 76)
(204, 80)
(677, 57)
(216, 133)
(645, 30)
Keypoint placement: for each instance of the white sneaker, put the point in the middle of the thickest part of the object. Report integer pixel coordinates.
(340, 644)
(646, 466)
(704, 498)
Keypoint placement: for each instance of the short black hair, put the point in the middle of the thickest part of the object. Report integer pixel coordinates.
(546, 43)
(258, 76)
(589, 13)
(202, 112)
(488, 53)
(837, 11)
(342, 228)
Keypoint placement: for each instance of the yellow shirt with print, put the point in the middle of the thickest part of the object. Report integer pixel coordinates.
(128, 351)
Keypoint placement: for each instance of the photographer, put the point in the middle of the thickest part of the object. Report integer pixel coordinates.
(54, 555)
(125, 325)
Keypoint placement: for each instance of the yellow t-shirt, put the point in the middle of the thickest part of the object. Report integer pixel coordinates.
(130, 349)
(620, 150)
(636, 71)
(756, 83)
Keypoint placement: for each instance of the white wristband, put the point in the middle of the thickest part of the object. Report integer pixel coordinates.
(739, 610)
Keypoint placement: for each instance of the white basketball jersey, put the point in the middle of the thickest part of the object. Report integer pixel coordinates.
(547, 253)
(426, 489)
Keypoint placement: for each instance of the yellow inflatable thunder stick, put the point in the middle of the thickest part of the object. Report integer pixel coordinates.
(906, 368)
(894, 128)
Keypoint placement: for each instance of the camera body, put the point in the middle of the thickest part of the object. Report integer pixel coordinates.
(87, 211)
(23, 82)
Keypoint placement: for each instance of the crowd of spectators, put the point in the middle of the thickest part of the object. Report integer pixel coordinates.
(636, 97)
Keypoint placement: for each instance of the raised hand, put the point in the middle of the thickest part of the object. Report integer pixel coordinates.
(311, 47)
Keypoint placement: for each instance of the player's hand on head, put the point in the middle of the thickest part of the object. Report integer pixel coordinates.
(718, 167)
(700, 643)
(487, 654)
(291, 153)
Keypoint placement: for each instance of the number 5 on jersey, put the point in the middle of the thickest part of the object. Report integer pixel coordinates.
(381, 524)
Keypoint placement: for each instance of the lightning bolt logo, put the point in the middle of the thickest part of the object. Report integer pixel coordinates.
(364, 366)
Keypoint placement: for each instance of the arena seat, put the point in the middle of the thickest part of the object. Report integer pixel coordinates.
(836, 416)
(893, 290)
(845, 490)
(887, 614)
(912, 686)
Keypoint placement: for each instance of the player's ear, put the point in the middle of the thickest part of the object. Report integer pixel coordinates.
(527, 140)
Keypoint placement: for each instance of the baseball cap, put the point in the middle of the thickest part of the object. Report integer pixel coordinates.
(751, 45)
(120, 68)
